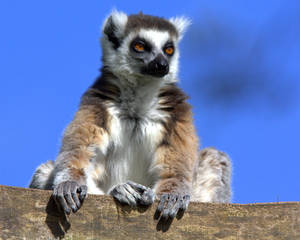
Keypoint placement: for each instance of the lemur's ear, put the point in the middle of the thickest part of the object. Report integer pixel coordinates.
(181, 24)
(114, 27)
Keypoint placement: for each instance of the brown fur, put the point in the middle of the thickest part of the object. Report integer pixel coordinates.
(177, 154)
(88, 128)
(82, 133)
(173, 102)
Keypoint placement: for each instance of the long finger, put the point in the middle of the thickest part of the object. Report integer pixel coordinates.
(119, 194)
(74, 188)
(68, 197)
(185, 202)
(82, 190)
(60, 200)
(132, 192)
(176, 207)
(161, 204)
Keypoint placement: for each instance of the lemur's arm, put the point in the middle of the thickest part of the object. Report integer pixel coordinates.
(177, 157)
(87, 130)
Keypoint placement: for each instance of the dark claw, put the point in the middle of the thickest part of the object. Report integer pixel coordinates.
(65, 196)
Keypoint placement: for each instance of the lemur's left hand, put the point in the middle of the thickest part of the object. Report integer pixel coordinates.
(65, 196)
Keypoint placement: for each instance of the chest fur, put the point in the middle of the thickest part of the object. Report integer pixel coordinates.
(131, 155)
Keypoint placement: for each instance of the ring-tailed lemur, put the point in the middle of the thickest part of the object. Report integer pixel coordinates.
(133, 136)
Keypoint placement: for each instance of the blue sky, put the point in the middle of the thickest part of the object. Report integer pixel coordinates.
(239, 64)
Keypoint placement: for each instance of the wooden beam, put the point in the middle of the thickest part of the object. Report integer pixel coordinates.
(32, 214)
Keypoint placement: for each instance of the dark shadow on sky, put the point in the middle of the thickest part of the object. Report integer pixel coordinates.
(256, 66)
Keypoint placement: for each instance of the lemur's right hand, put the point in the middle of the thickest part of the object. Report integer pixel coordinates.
(133, 194)
(65, 196)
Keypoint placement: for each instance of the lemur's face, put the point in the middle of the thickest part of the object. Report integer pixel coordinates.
(151, 52)
(142, 45)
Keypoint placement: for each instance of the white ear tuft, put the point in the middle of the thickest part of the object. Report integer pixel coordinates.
(181, 24)
(116, 22)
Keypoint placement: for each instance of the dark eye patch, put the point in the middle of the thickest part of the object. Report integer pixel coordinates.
(142, 42)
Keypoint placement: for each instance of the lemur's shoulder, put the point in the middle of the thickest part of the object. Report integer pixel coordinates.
(174, 101)
(101, 90)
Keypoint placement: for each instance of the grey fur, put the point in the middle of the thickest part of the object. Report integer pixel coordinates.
(212, 178)
(42, 175)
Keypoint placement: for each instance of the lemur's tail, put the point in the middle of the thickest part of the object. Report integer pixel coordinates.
(41, 176)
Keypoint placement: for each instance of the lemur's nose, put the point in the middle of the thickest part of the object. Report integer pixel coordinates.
(162, 64)
(159, 67)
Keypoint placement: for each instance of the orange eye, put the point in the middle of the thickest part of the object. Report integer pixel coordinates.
(139, 47)
(169, 50)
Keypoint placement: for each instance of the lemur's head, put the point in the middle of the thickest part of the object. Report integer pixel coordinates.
(142, 46)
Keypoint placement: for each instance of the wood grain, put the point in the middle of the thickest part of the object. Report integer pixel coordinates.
(32, 214)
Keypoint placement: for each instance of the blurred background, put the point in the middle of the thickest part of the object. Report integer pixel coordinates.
(240, 65)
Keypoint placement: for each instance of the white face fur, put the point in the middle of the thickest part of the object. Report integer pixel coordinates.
(127, 63)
